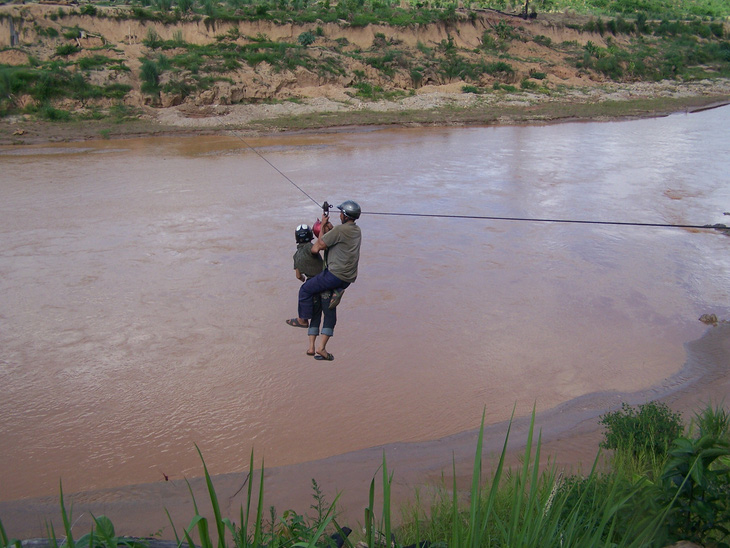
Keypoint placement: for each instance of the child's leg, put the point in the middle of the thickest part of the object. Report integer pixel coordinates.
(313, 330)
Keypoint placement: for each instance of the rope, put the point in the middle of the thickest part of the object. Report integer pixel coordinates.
(300, 189)
(538, 220)
(484, 217)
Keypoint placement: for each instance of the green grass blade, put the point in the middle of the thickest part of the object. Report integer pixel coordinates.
(369, 516)
(387, 480)
(174, 530)
(189, 540)
(496, 479)
(249, 492)
(476, 492)
(66, 520)
(3, 536)
(345, 538)
(220, 527)
(455, 522)
(4, 541)
(260, 510)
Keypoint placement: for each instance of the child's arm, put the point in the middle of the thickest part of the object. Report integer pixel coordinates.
(299, 275)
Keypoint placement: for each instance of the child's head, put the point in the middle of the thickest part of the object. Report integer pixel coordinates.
(303, 234)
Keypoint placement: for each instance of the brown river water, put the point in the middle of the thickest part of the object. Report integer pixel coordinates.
(144, 286)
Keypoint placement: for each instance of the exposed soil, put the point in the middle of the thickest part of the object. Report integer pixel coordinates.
(265, 98)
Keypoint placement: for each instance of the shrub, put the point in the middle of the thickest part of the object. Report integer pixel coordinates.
(93, 62)
(72, 34)
(714, 422)
(54, 114)
(66, 49)
(150, 74)
(699, 490)
(543, 40)
(152, 40)
(88, 9)
(307, 38)
(185, 5)
(649, 428)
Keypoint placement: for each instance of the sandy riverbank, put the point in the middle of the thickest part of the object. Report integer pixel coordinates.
(570, 440)
(430, 106)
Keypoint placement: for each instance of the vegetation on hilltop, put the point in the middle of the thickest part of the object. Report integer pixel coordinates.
(61, 65)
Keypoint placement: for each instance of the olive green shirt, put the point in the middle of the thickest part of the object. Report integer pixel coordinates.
(308, 263)
(343, 251)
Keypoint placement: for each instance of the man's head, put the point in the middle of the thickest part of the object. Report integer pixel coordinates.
(303, 234)
(349, 211)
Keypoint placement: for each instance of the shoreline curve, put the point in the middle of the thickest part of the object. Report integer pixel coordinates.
(570, 437)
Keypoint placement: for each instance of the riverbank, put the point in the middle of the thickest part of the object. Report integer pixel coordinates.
(570, 438)
(430, 106)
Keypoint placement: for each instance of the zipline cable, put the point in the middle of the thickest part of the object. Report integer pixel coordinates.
(540, 220)
(300, 189)
(485, 217)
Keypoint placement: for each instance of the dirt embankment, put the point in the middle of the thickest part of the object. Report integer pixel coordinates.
(412, 89)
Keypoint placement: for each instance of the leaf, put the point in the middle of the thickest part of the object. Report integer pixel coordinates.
(105, 528)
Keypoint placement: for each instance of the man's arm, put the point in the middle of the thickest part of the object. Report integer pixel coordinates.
(319, 245)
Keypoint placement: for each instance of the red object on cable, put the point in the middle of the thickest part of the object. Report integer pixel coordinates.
(317, 227)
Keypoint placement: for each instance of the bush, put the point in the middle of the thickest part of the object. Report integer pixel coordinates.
(89, 9)
(650, 428)
(54, 114)
(306, 38)
(471, 89)
(150, 75)
(699, 490)
(66, 49)
(714, 422)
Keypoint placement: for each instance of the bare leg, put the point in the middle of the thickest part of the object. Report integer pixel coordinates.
(312, 342)
(323, 347)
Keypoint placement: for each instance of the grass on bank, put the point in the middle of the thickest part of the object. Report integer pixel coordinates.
(666, 40)
(660, 486)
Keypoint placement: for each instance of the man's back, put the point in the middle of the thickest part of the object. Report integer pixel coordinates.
(343, 251)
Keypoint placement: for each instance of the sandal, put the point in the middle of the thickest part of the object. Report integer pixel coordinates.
(294, 322)
(329, 357)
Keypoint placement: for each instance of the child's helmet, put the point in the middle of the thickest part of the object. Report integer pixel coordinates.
(303, 234)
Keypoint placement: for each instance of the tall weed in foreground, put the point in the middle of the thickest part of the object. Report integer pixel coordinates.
(528, 507)
(713, 421)
(249, 533)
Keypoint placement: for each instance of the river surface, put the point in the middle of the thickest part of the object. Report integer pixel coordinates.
(144, 286)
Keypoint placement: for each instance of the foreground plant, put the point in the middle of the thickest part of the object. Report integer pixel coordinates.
(531, 506)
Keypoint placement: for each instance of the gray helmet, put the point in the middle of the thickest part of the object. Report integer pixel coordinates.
(303, 234)
(350, 209)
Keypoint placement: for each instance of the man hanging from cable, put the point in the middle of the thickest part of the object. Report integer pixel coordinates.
(341, 247)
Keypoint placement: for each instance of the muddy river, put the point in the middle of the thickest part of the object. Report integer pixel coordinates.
(144, 286)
